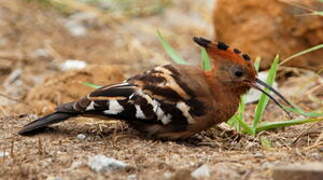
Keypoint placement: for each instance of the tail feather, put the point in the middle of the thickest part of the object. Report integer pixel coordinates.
(45, 121)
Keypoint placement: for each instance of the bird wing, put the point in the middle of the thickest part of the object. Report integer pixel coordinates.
(159, 96)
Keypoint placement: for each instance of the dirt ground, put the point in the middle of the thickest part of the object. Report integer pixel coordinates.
(36, 39)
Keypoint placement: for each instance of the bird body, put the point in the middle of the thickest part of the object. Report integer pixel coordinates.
(170, 101)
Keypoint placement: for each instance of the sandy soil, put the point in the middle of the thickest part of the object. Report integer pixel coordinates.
(35, 39)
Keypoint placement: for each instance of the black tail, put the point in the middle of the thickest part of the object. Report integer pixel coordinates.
(45, 121)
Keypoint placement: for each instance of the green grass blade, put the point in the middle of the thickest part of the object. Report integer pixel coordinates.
(257, 63)
(263, 100)
(242, 123)
(318, 13)
(302, 112)
(301, 53)
(206, 64)
(242, 107)
(234, 122)
(280, 124)
(170, 51)
(237, 121)
(91, 85)
(245, 127)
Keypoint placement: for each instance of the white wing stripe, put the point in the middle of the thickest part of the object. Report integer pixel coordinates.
(114, 107)
(185, 110)
(166, 119)
(139, 113)
(90, 106)
(161, 116)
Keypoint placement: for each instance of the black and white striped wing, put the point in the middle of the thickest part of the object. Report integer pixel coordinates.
(163, 96)
(108, 100)
(158, 96)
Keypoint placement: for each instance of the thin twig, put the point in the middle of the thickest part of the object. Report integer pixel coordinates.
(12, 148)
(304, 132)
(319, 139)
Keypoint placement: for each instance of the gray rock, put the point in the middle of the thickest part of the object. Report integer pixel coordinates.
(201, 172)
(101, 163)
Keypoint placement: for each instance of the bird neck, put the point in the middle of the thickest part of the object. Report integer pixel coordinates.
(226, 97)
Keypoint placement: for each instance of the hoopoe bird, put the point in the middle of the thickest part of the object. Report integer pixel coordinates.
(170, 101)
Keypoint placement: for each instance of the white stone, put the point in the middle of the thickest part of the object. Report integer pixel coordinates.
(72, 64)
(201, 172)
(75, 28)
(168, 175)
(101, 163)
(81, 136)
(53, 178)
(132, 177)
(4, 154)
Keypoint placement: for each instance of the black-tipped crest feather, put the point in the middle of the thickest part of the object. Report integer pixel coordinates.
(202, 42)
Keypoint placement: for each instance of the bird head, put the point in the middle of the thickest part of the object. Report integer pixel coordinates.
(234, 70)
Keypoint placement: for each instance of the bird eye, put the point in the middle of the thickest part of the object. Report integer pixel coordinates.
(238, 73)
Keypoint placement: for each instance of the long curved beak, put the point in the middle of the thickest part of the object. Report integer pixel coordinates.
(259, 82)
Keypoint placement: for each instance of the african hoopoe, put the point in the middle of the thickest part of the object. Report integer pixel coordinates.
(170, 101)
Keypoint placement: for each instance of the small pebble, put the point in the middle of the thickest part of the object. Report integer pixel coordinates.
(201, 172)
(53, 178)
(101, 163)
(132, 177)
(40, 53)
(168, 175)
(4, 154)
(259, 155)
(76, 164)
(81, 136)
(76, 28)
(72, 64)
(315, 155)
